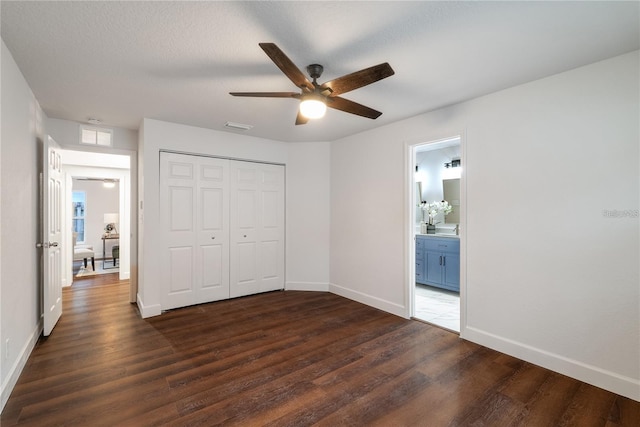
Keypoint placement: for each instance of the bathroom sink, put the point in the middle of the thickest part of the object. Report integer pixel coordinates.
(446, 234)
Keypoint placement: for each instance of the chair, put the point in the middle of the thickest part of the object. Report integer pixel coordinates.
(83, 252)
(115, 254)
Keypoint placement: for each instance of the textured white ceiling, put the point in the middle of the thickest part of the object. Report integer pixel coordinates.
(177, 61)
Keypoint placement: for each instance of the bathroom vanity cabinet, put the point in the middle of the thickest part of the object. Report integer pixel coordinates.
(438, 261)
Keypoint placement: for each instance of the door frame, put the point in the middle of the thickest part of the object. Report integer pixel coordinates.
(410, 221)
(78, 162)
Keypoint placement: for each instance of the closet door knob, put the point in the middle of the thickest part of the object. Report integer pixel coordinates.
(213, 238)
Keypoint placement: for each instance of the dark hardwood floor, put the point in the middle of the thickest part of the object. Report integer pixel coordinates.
(283, 359)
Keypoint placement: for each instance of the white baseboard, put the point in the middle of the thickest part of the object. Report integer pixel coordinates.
(616, 383)
(388, 306)
(18, 366)
(149, 310)
(307, 286)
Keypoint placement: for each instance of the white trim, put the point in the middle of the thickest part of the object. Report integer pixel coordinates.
(410, 227)
(369, 300)
(213, 156)
(615, 383)
(462, 231)
(410, 148)
(148, 311)
(306, 286)
(13, 375)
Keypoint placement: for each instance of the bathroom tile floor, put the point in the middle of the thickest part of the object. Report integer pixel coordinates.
(437, 306)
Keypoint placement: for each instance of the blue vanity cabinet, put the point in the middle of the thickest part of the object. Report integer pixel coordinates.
(451, 279)
(440, 262)
(419, 260)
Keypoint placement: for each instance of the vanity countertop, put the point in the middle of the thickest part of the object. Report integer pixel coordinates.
(446, 235)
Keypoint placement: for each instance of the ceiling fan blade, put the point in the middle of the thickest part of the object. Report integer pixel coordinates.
(267, 94)
(358, 79)
(286, 65)
(300, 119)
(347, 106)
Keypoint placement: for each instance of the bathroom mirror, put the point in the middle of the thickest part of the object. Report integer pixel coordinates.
(451, 192)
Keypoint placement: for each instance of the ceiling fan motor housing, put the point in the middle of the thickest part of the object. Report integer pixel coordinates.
(315, 71)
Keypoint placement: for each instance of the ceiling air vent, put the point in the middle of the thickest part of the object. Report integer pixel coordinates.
(237, 126)
(96, 136)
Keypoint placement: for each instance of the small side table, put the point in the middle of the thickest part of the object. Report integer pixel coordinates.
(106, 237)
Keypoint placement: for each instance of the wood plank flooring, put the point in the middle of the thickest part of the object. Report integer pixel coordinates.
(283, 359)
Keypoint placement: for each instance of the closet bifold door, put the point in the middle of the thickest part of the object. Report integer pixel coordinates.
(194, 215)
(257, 227)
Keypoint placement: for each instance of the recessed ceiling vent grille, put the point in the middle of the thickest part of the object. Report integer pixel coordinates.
(96, 136)
(237, 126)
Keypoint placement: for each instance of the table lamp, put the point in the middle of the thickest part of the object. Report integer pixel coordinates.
(111, 219)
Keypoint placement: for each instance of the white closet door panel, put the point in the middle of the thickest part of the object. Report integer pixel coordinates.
(212, 268)
(213, 170)
(212, 215)
(180, 209)
(247, 264)
(270, 259)
(257, 228)
(178, 167)
(178, 221)
(180, 267)
(212, 264)
(246, 207)
(270, 210)
(273, 223)
(180, 290)
(244, 249)
(246, 174)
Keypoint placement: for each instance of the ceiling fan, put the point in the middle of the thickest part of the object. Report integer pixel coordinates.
(315, 98)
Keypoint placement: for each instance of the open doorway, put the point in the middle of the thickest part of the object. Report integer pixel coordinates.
(99, 216)
(96, 226)
(437, 208)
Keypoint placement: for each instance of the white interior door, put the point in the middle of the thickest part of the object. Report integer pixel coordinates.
(52, 189)
(178, 217)
(257, 228)
(212, 237)
(194, 203)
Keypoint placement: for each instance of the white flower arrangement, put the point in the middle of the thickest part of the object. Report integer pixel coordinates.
(433, 209)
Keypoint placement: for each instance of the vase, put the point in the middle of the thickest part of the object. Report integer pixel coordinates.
(431, 229)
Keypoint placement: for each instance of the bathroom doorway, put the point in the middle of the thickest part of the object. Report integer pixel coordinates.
(437, 208)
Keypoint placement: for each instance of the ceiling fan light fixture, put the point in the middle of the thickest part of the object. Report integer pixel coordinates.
(312, 107)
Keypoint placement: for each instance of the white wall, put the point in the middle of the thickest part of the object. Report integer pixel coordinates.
(308, 200)
(308, 266)
(549, 278)
(21, 142)
(67, 134)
